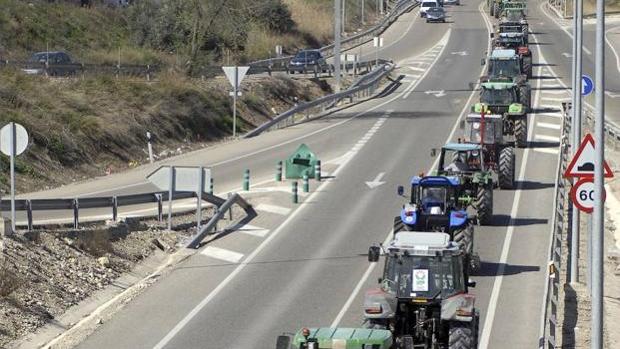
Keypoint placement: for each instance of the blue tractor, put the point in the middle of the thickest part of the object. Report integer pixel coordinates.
(437, 204)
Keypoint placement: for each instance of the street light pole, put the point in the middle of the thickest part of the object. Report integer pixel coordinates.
(599, 213)
(337, 33)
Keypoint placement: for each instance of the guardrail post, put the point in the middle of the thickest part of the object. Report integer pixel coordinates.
(148, 72)
(29, 214)
(76, 213)
(160, 207)
(114, 209)
(230, 215)
(279, 172)
(295, 194)
(246, 180)
(317, 171)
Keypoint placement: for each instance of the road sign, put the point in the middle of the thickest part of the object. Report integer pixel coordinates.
(582, 164)
(587, 85)
(186, 178)
(235, 75)
(377, 41)
(6, 138)
(582, 194)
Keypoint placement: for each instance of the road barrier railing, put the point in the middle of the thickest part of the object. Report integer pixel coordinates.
(146, 72)
(548, 336)
(112, 202)
(612, 130)
(364, 87)
(398, 9)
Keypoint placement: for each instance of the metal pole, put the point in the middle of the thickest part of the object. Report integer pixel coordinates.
(13, 150)
(599, 213)
(337, 27)
(148, 136)
(199, 191)
(235, 101)
(344, 18)
(170, 193)
(363, 12)
(576, 128)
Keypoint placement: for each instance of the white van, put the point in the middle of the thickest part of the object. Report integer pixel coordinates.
(426, 4)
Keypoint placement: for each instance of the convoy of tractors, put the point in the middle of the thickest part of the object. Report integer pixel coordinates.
(422, 300)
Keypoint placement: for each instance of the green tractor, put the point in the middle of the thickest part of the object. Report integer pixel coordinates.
(498, 155)
(513, 21)
(423, 297)
(506, 65)
(518, 43)
(496, 7)
(511, 101)
(466, 161)
(328, 338)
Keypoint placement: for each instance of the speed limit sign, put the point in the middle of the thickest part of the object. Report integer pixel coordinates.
(582, 194)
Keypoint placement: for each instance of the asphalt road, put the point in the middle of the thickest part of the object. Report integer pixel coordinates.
(309, 266)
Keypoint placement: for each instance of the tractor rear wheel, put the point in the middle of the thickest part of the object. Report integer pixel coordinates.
(398, 224)
(461, 335)
(465, 237)
(507, 168)
(484, 204)
(521, 131)
(525, 94)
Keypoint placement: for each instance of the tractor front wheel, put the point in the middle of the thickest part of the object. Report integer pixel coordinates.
(521, 131)
(461, 335)
(507, 168)
(465, 237)
(484, 204)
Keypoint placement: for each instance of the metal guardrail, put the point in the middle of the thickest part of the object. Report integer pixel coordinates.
(397, 10)
(112, 202)
(79, 69)
(548, 336)
(612, 131)
(363, 87)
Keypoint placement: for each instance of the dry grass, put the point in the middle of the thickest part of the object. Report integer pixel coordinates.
(9, 282)
(313, 17)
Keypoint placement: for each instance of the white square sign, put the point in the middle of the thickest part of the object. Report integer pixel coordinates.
(420, 280)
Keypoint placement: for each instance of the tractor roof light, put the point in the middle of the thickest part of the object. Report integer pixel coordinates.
(305, 332)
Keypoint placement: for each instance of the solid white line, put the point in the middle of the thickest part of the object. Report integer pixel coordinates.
(273, 209)
(253, 230)
(549, 126)
(548, 106)
(557, 115)
(547, 138)
(554, 99)
(417, 69)
(613, 49)
(222, 254)
(556, 92)
(553, 151)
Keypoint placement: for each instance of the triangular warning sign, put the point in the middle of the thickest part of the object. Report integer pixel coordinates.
(230, 74)
(582, 164)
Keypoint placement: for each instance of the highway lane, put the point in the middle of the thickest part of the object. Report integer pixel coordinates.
(306, 273)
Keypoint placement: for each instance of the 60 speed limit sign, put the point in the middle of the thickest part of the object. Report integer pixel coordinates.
(582, 194)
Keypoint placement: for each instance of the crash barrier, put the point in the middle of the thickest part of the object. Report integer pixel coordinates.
(362, 88)
(550, 315)
(221, 212)
(398, 8)
(560, 7)
(79, 70)
(112, 202)
(612, 131)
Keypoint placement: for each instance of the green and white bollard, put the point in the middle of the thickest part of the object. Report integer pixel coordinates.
(246, 180)
(279, 172)
(295, 196)
(317, 171)
(306, 183)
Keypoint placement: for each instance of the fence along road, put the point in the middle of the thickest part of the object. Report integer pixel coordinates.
(304, 272)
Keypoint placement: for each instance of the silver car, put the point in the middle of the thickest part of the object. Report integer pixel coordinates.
(436, 14)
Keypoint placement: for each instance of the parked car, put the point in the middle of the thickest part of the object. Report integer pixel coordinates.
(56, 63)
(307, 61)
(425, 5)
(436, 14)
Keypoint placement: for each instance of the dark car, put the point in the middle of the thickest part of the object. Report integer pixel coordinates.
(436, 14)
(307, 61)
(55, 62)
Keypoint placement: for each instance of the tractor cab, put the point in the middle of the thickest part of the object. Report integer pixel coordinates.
(504, 65)
(499, 98)
(493, 129)
(331, 337)
(460, 158)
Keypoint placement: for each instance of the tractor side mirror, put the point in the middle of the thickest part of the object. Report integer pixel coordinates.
(400, 190)
(483, 61)
(373, 253)
(283, 342)
(462, 124)
(433, 152)
(471, 283)
(380, 280)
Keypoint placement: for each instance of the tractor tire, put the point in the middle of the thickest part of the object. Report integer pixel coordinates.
(461, 335)
(484, 204)
(465, 238)
(496, 11)
(507, 168)
(474, 264)
(525, 96)
(521, 131)
(492, 9)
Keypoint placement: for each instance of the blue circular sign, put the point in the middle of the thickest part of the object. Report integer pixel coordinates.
(587, 85)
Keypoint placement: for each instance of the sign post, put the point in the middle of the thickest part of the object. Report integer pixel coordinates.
(13, 141)
(377, 42)
(235, 75)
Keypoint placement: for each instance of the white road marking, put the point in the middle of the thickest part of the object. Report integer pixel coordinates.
(542, 8)
(550, 115)
(283, 211)
(554, 99)
(553, 151)
(253, 230)
(222, 254)
(417, 68)
(547, 138)
(442, 43)
(613, 49)
(376, 182)
(549, 125)
(556, 92)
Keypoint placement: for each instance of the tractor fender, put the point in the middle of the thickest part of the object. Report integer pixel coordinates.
(379, 304)
(459, 307)
(515, 109)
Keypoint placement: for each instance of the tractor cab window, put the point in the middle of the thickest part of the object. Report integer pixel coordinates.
(497, 96)
(504, 67)
(433, 200)
(473, 131)
(423, 276)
